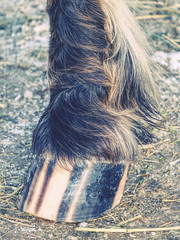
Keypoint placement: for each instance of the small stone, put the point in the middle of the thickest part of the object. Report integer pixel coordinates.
(175, 61)
(174, 162)
(83, 224)
(18, 97)
(161, 57)
(28, 94)
(3, 106)
(72, 238)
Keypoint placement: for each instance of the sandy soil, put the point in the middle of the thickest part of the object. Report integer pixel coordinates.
(152, 192)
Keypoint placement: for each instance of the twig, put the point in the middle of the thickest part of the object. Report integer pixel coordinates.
(151, 17)
(19, 223)
(10, 209)
(155, 152)
(177, 140)
(165, 224)
(123, 230)
(13, 218)
(2, 236)
(130, 220)
(148, 3)
(172, 41)
(11, 194)
(33, 235)
(149, 160)
(171, 200)
(153, 144)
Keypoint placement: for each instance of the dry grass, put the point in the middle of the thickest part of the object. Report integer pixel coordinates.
(151, 198)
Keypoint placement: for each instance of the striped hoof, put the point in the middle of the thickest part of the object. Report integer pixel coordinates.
(75, 195)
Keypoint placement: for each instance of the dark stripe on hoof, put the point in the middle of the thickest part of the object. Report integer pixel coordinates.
(49, 171)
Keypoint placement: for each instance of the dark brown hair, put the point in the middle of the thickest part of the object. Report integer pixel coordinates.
(102, 93)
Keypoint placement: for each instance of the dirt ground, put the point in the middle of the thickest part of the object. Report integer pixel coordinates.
(152, 193)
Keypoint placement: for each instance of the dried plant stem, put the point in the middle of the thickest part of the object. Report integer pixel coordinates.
(34, 236)
(19, 223)
(130, 220)
(123, 230)
(153, 144)
(2, 236)
(24, 220)
(172, 41)
(10, 195)
(171, 200)
(151, 17)
(147, 3)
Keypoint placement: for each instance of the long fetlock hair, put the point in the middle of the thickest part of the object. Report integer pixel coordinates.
(102, 92)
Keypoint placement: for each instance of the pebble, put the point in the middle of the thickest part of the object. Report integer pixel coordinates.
(161, 57)
(83, 224)
(175, 61)
(28, 94)
(17, 97)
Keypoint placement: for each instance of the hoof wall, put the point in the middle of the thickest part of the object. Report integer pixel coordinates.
(82, 193)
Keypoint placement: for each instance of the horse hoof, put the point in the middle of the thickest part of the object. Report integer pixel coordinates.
(75, 194)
